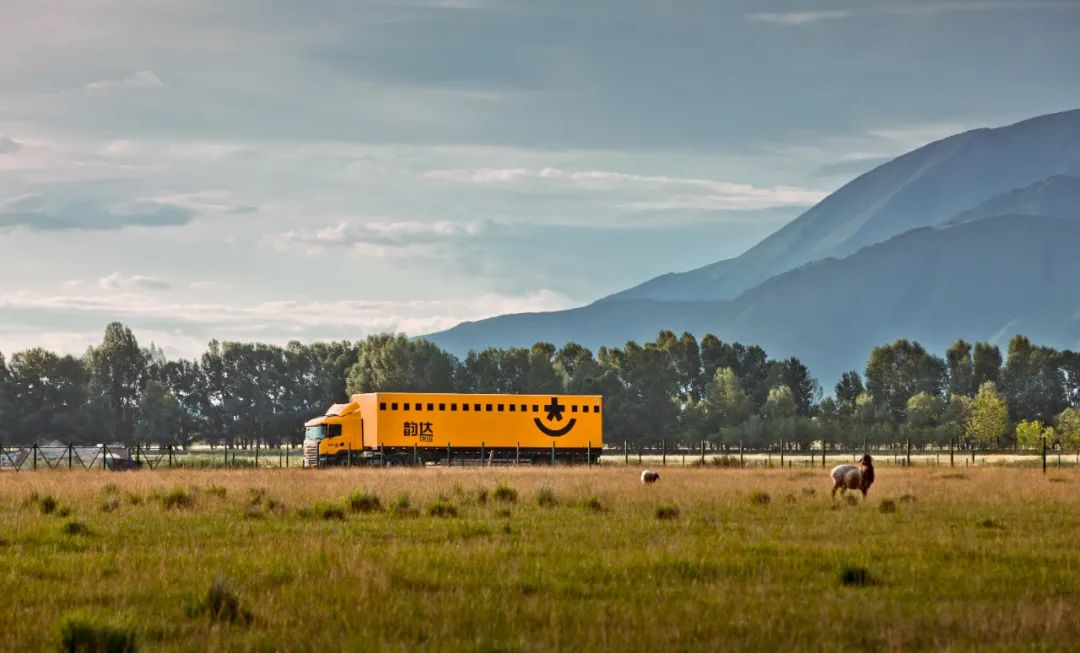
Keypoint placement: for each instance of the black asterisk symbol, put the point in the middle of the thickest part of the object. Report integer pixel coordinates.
(554, 410)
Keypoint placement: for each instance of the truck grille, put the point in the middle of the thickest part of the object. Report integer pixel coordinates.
(311, 454)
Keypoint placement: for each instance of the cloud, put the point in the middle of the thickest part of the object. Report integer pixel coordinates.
(665, 192)
(796, 18)
(117, 281)
(379, 239)
(270, 321)
(33, 212)
(140, 79)
(8, 145)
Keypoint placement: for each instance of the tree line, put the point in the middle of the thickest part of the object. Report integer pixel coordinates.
(675, 388)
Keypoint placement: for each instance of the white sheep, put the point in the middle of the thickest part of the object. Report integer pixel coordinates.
(852, 477)
(649, 476)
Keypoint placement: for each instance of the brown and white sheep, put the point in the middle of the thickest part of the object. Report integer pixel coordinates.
(852, 477)
(649, 476)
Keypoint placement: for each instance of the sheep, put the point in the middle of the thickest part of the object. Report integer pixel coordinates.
(649, 476)
(850, 477)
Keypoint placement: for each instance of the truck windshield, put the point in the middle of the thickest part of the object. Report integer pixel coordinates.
(315, 432)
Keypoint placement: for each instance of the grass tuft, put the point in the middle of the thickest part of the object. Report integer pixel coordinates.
(545, 497)
(75, 527)
(593, 504)
(364, 501)
(442, 508)
(216, 491)
(505, 494)
(80, 635)
(328, 510)
(220, 603)
(857, 577)
(667, 511)
(907, 498)
(760, 498)
(48, 504)
(177, 498)
(992, 524)
(887, 506)
(110, 504)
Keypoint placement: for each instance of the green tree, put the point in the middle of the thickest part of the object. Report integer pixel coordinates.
(925, 410)
(848, 390)
(118, 369)
(1032, 381)
(796, 377)
(957, 414)
(159, 415)
(49, 399)
(1068, 429)
(725, 401)
(1029, 435)
(898, 371)
(780, 404)
(989, 418)
(987, 364)
(393, 363)
(961, 369)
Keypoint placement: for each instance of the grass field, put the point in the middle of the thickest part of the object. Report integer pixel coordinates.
(540, 559)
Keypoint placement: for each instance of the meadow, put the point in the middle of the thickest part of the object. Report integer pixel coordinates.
(503, 559)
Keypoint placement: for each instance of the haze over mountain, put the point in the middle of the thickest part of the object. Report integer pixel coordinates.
(973, 236)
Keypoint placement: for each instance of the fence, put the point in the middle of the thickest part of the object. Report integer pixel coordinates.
(778, 454)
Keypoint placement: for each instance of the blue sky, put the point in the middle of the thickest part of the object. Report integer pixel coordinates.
(279, 170)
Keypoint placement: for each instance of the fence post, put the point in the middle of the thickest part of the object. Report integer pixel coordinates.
(588, 454)
(742, 463)
(34, 450)
(104, 455)
(517, 453)
(170, 456)
(348, 461)
(909, 452)
(639, 453)
(626, 453)
(864, 449)
(382, 455)
(823, 448)
(225, 448)
(1044, 455)
(781, 453)
(952, 459)
(449, 453)
(552, 453)
(287, 450)
(415, 455)
(663, 452)
(703, 452)
(482, 452)
(256, 454)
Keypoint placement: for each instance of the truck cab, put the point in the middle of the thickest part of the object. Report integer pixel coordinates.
(332, 438)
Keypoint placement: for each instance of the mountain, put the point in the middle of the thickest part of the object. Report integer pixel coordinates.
(1057, 195)
(924, 187)
(961, 238)
(980, 280)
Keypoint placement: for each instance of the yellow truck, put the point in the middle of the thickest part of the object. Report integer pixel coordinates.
(402, 428)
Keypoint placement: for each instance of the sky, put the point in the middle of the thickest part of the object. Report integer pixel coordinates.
(278, 171)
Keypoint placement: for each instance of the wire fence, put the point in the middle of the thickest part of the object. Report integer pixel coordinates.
(780, 454)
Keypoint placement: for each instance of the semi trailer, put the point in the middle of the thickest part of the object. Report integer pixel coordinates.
(402, 428)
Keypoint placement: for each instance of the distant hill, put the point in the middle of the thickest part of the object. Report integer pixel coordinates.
(982, 280)
(973, 236)
(924, 187)
(1057, 195)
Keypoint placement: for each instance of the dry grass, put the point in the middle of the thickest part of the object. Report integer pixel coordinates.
(985, 562)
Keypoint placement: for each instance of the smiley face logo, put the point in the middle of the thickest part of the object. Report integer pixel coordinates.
(554, 412)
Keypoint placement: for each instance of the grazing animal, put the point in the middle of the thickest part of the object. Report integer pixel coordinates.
(649, 476)
(852, 477)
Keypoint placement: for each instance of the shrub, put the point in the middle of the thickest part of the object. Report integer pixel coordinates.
(253, 512)
(220, 604)
(481, 496)
(48, 504)
(110, 504)
(989, 523)
(760, 498)
(177, 498)
(75, 527)
(256, 495)
(809, 491)
(134, 499)
(110, 488)
(505, 494)
(887, 506)
(364, 501)
(667, 511)
(328, 510)
(442, 508)
(857, 577)
(545, 497)
(273, 505)
(79, 635)
(907, 498)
